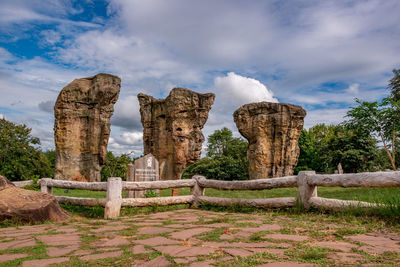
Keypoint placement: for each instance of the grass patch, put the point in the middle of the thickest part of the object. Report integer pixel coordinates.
(96, 212)
(308, 254)
(213, 235)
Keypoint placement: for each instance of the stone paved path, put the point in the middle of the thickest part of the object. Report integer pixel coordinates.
(197, 238)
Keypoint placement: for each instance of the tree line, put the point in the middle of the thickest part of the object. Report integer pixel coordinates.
(368, 140)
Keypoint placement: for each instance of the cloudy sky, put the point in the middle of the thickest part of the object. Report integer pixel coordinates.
(317, 54)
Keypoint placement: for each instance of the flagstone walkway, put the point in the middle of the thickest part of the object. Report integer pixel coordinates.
(196, 238)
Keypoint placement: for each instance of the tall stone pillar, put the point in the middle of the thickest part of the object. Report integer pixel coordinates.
(273, 130)
(172, 129)
(82, 126)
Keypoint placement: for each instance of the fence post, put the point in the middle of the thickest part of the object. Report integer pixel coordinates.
(197, 191)
(114, 198)
(43, 186)
(130, 177)
(305, 191)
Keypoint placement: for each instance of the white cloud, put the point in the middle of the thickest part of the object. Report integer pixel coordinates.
(126, 142)
(353, 89)
(50, 37)
(127, 114)
(47, 106)
(2, 116)
(239, 90)
(129, 138)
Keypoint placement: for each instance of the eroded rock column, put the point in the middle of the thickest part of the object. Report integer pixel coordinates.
(172, 129)
(82, 126)
(273, 130)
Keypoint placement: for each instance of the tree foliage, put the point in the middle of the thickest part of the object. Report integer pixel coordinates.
(20, 155)
(226, 158)
(323, 147)
(394, 85)
(115, 166)
(380, 119)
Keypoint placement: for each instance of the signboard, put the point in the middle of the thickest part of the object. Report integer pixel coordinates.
(144, 169)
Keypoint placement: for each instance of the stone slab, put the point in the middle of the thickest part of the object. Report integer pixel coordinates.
(206, 263)
(57, 251)
(44, 262)
(109, 228)
(183, 251)
(102, 255)
(118, 241)
(60, 239)
(185, 234)
(156, 241)
(160, 261)
(154, 230)
(377, 244)
(237, 252)
(29, 242)
(139, 249)
(10, 257)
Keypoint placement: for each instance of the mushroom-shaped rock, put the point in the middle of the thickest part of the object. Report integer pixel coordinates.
(28, 206)
(82, 126)
(273, 130)
(172, 129)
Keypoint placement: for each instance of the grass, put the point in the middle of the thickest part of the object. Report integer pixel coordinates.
(308, 254)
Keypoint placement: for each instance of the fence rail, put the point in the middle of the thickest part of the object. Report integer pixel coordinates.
(306, 182)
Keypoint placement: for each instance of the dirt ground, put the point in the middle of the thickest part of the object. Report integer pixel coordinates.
(201, 238)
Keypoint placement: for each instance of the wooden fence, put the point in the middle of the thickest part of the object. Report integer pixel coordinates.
(306, 182)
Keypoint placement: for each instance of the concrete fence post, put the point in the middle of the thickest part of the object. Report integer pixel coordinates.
(130, 177)
(305, 190)
(197, 191)
(114, 198)
(43, 186)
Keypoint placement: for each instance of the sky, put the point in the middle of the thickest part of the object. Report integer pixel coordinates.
(320, 55)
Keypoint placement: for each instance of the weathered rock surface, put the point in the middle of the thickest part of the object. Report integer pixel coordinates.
(82, 126)
(27, 205)
(172, 128)
(272, 130)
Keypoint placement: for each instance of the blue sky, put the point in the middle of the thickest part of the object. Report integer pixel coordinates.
(317, 54)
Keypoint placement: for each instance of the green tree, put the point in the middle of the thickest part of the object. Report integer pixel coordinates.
(51, 157)
(323, 147)
(115, 166)
(226, 158)
(20, 155)
(222, 143)
(308, 158)
(394, 85)
(379, 119)
(355, 149)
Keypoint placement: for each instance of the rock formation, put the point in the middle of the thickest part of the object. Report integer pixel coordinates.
(27, 205)
(172, 129)
(272, 130)
(82, 126)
